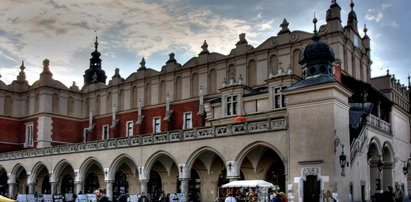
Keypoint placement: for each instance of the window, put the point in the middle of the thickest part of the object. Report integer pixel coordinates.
(279, 99)
(129, 128)
(29, 135)
(106, 131)
(232, 105)
(187, 120)
(156, 125)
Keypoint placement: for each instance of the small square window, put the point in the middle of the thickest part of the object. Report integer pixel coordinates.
(129, 128)
(106, 132)
(188, 123)
(156, 125)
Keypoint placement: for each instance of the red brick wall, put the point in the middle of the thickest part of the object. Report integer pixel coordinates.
(13, 131)
(65, 130)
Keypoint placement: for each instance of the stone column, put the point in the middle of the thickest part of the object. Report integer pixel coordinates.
(32, 186)
(109, 189)
(184, 186)
(143, 186)
(53, 187)
(79, 187)
(12, 189)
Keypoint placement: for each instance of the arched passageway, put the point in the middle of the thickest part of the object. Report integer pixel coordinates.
(262, 162)
(163, 176)
(4, 188)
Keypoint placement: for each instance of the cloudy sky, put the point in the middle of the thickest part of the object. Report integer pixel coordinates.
(64, 32)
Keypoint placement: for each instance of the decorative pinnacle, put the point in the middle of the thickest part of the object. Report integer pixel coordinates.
(143, 62)
(315, 37)
(22, 67)
(365, 29)
(96, 43)
(352, 5)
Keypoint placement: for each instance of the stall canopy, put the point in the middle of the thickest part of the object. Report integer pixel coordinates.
(249, 183)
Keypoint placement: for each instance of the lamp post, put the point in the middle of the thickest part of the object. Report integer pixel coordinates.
(343, 160)
(405, 168)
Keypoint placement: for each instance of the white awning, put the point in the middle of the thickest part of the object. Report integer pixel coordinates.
(249, 183)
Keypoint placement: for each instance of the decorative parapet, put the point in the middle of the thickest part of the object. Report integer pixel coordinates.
(357, 144)
(379, 123)
(245, 128)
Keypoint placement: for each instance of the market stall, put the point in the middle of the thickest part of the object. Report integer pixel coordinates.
(247, 190)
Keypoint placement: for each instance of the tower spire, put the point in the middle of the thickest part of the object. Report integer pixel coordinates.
(316, 36)
(352, 18)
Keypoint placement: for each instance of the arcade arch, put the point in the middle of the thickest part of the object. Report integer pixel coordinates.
(92, 173)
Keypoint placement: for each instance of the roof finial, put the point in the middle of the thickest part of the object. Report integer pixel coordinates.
(96, 43)
(22, 67)
(365, 29)
(315, 37)
(352, 5)
(409, 83)
(142, 64)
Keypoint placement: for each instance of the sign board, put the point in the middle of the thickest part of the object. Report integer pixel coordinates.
(69, 197)
(133, 198)
(82, 198)
(47, 198)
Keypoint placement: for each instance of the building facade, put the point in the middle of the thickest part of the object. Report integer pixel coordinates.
(299, 110)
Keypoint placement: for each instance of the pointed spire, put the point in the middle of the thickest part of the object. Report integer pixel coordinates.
(316, 36)
(365, 32)
(409, 82)
(22, 74)
(352, 6)
(96, 43)
(142, 64)
(352, 18)
(22, 67)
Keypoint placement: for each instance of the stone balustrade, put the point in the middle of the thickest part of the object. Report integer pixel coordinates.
(379, 123)
(240, 128)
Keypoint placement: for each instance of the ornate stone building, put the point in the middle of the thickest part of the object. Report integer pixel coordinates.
(299, 110)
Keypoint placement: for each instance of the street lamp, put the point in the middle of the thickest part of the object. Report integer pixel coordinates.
(405, 168)
(343, 160)
(380, 165)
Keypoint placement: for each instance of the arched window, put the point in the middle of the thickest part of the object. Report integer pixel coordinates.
(55, 103)
(194, 85)
(70, 106)
(120, 100)
(109, 102)
(212, 81)
(297, 69)
(231, 74)
(252, 73)
(8, 106)
(273, 64)
(162, 92)
(178, 87)
(134, 97)
(147, 100)
(97, 106)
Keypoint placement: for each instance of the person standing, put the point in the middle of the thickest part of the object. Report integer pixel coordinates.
(398, 194)
(230, 198)
(100, 195)
(123, 197)
(143, 198)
